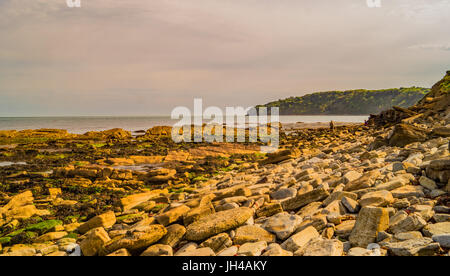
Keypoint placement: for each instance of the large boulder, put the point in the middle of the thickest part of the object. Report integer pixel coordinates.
(404, 134)
(370, 221)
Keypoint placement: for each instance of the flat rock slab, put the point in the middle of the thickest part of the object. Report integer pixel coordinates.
(217, 223)
(304, 199)
(415, 247)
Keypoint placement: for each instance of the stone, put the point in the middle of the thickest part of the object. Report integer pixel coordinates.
(230, 251)
(345, 228)
(51, 236)
(414, 247)
(199, 212)
(304, 199)
(252, 248)
(282, 225)
(366, 181)
(120, 253)
(227, 206)
(377, 199)
(309, 209)
(269, 210)
(94, 242)
(300, 239)
(132, 201)
(338, 196)
(284, 193)
(252, 233)
(321, 247)
(413, 222)
(351, 205)
(137, 240)
(408, 191)
(274, 249)
(198, 252)
(404, 134)
(403, 236)
(351, 176)
(175, 234)
(217, 223)
(218, 242)
(369, 222)
(172, 215)
(105, 220)
(442, 239)
(436, 229)
(427, 183)
(158, 250)
(186, 247)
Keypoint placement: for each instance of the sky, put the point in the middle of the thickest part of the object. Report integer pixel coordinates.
(134, 57)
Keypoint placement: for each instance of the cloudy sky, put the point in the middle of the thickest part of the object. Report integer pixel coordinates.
(135, 57)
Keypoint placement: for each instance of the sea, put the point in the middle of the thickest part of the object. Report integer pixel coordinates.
(83, 124)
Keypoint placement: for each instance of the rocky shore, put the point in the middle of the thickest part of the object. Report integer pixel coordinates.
(355, 190)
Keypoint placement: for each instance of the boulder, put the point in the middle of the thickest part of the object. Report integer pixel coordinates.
(300, 239)
(370, 221)
(252, 233)
(105, 220)
(217, 223)
(95, 240)
(304, 199)
(282, 225)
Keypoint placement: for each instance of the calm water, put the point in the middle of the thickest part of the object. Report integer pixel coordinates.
(80, 125)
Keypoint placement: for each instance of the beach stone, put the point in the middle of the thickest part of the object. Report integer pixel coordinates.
(120, 253)
(218, 243)
(217, 223)
(132, 201)
(197, 213)
(378, 199)
(269, 210)
(442, 239)
(369, 222)
(410, 223)
(309, 209)
(338, 196)
(304, 199)
(404, 134)
(172, 215)
(274, 249)
(186, 247)
(414, 247)
(345, 228)
(351, 176)
(427, 183)
(252, 233)
(408, 191)
(282, 225)
(175, 234)
(137, 240)
(408, 235)
(105, 220)
(252, 248)
(321, 247)
(298, 240)
(441, 217)
(351, 205)
(51, 236)
(284, 193)
(227, 206)
(365, 181)
(95, 240)
(228, 252)
(198, 252)
(158, 250)
(436, 229)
